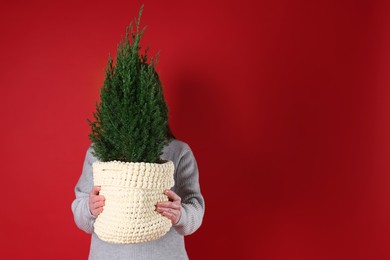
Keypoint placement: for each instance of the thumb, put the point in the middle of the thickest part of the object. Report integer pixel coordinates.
(95, 190)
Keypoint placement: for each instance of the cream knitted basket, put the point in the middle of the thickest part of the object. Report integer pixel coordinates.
(132, 190)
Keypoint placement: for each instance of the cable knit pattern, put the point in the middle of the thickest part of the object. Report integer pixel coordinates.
(132, 190)
(169, 246)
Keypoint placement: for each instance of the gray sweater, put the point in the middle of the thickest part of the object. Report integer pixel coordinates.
(171, 245)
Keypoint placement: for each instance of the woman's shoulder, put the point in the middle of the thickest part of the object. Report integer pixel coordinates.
(178, 145)
(90, 155)
(175, 149)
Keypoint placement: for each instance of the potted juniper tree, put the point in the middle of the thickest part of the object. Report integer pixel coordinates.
(128, 134)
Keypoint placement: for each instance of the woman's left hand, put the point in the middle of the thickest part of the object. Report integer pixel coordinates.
(172, 208)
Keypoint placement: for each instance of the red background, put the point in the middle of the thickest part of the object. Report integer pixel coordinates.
(285, 104)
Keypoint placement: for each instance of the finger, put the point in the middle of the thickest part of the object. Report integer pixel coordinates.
(97, 211)
(171, 216)
(96, 198)
(168, 210)
(168, 204)
(95, 190)
(99, 204)
(170, 213)
(172, 195)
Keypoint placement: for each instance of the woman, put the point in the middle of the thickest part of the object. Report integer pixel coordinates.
(185, 209)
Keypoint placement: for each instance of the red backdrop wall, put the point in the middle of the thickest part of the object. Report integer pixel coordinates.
(285, 104)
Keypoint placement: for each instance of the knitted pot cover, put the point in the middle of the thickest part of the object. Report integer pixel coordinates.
(132, 190)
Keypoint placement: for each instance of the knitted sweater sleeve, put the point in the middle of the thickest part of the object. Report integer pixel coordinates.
(187, 187)
(80, 206)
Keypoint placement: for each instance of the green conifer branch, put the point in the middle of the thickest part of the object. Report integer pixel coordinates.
(131, 121)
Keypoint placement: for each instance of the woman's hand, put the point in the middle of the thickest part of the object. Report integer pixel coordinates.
(96, 201)
(172, 208)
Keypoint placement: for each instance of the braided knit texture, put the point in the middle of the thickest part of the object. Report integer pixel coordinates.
(132, 190)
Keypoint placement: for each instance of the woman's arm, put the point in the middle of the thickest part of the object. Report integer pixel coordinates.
(80, 206)
(188, 189)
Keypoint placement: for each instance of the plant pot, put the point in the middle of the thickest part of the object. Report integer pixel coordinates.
(132, 190)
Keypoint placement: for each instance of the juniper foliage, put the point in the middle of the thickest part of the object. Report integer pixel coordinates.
(131, 121)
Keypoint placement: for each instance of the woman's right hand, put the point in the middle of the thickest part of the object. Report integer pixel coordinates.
(96, 201)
